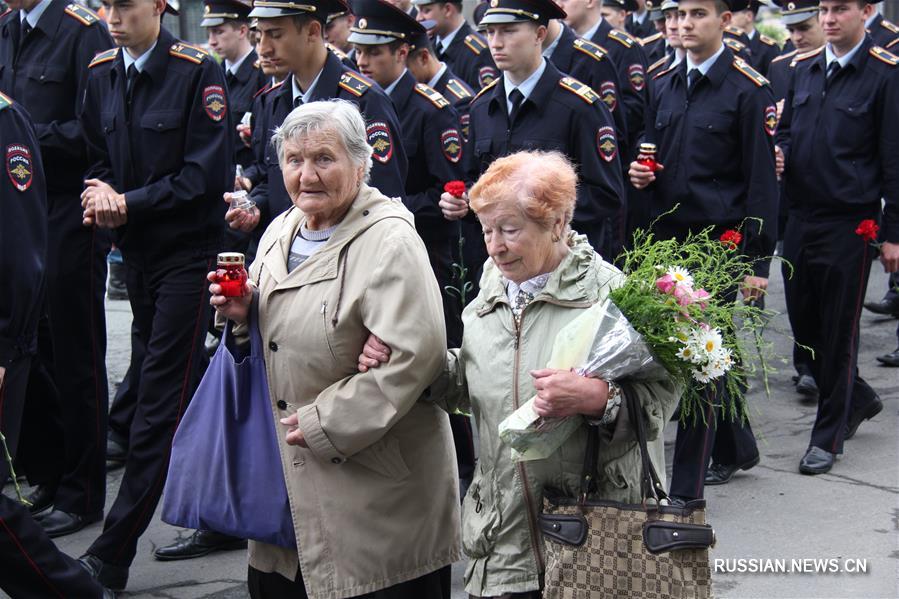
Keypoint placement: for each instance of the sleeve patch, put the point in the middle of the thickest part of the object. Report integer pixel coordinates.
(590, 49)
(622, 38)
(354, 84)
(607, 143)
(188, 52)
(434, 96)
(451, 144)
(457, 89)
(104, 56)
(19, 166)
(749, 72)
(579, 89)
(770, 120)
(380, 140)
(487, 75)
(82, 14)
(608, 94)
(884, 56)
(637, 76)
(214, 102)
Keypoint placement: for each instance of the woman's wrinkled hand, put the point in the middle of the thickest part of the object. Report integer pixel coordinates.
(562, 393)
(374, 353)
(235, 309)
(294, 435)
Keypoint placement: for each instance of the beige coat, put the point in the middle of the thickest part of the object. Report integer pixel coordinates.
(375, 498)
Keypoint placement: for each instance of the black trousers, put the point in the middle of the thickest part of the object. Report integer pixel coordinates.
(76, 284)
(824, 304)
(436, 585)
(170, 304)
(30, 564)
(723, 440)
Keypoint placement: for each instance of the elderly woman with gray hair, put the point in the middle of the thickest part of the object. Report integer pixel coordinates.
(370, 472)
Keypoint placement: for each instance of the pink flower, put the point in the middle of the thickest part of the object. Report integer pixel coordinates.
(665, 283)
(684, 295)
(699, 295)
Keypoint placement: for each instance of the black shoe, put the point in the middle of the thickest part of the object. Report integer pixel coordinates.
(888, 306)
(719, 474)
(110, 576)
(116, 289)
(58, 523)
(816, 461)
(856, 419)
(891, 359)
(41, 500)
(116, 446)
(202, 542)
(806, 385)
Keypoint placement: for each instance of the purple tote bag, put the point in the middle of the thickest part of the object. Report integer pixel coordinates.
(225, 471)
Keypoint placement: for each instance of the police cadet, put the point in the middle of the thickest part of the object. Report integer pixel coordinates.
(840, 158)
(535, 106)
(674, 48)
(800, 17)
(884, 33)
(762, 48)
(384, 36)
(228, 29)
(589, 64)
(293, 35)
(639, 22)
(45, 46)
(464, 51)
(337, 33)
(32, 565)
(654, 45)
(426, 68)
(738, 41)
(160, 137)
(713, 117)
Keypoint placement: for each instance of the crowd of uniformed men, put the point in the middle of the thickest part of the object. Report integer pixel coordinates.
(113, 131)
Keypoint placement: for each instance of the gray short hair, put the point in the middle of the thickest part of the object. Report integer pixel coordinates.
(341, 115)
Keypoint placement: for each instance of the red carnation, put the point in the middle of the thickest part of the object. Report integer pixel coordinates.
(867, 229)
(731, 239)
(455, 188)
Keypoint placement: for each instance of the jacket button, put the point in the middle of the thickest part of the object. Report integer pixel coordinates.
(336, 461)
(365, 213)
(273, 346)
(282, 405)
(159, 125)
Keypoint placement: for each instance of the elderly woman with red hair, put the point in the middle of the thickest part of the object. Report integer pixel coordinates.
(540, 276)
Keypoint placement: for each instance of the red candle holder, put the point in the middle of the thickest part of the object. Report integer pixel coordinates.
(647, 156)
(231, 275)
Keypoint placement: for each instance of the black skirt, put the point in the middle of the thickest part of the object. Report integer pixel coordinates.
(436, 585)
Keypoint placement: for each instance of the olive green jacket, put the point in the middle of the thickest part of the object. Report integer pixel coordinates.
(489, 375)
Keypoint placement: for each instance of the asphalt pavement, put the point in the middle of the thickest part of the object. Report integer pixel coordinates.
(780, 534)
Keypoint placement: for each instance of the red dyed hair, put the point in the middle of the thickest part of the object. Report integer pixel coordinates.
(543, 186)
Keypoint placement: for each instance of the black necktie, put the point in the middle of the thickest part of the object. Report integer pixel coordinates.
(438, 49)
(693, 78)
(297, 101)
(517, 98)
(230, 79)
(132, 74)
(26, 29)
(832, 69)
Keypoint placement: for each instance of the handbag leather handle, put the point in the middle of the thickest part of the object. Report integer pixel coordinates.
(650, 483)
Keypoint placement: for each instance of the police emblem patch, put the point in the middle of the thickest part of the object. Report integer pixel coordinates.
(19, 166)
(214, 102)
(606, 143)
(464, 120)
(637, 77)
(451, 144)
(608, 95)
(486, 76)
(380, 140)
(770, 120)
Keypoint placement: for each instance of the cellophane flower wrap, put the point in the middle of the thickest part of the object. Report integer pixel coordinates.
(674, 316)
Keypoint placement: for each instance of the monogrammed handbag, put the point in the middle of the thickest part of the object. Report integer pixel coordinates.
(605, 549)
